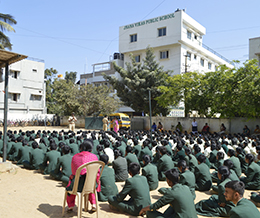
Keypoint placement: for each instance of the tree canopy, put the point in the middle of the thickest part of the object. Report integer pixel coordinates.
(137, 80)
(6, 20)
(63, 96)
(229, 92)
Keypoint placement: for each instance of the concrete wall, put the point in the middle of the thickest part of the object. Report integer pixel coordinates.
(234, 125)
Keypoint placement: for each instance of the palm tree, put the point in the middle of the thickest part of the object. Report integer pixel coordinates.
(6, 20)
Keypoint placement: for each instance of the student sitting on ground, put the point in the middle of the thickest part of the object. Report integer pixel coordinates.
(138, 190)
(202, 175)
(234, 191)
(120, 167)
(217, 205)
(178, 196)
(63, 167)
(107, 180)
(129, 156)
(150, 172)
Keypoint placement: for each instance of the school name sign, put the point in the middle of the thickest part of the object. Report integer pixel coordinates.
(153, 20)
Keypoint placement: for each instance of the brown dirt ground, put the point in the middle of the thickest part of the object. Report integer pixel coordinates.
(26, 193)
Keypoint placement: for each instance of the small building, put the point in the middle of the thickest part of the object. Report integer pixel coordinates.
(26, 90)
(254, 49)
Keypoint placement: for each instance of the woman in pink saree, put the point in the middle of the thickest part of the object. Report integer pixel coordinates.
(115, 125)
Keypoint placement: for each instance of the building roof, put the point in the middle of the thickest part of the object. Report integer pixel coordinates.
(9, 57)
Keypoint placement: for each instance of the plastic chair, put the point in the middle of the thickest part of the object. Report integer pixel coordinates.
(89, 186)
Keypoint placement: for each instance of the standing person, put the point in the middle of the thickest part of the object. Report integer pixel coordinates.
(72, 119)
(154, 127)
(115, 125)
(194, 126)
(105, 123)
(234, 191)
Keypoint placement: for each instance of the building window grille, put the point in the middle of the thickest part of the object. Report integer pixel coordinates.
(209, 66)
(189, 56)
(202, 62)
(137, 58)
(162, 32)
(164, 54)
(133, 38)
(188, 34)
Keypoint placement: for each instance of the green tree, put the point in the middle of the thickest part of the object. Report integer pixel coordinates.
(6, 20)
(70, 76)
(96, 100)
(230, 92)
(135, 82)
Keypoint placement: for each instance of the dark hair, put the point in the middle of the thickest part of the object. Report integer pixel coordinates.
(231, 152)
(134, 168)
(117, 153)
(188, 152)
(196, 148)
(65, 149)
(106, 143)
(129, 149)
(72, 141)
(179, 146)
(172, 175)
(87, 145)
(224, 171)
(182, 164)
(104, 158)
(35, 145)
(25, 142)
(53, 146)
(220, 155)
(237, 186)
(146, 159)
(229, 163)
(163, 150)
(201, 158)
(250, 157)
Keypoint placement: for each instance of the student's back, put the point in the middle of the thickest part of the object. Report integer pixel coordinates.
(151, 173)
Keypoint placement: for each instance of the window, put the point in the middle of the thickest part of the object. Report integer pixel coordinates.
(137, 58)
(164, 54)
(36, 97)
(209, 66)
(195, 36)
(133, 38)
(202, 62)
(216, 68)
(162, 32)
(189, 56)
(34, 70)
(188, 34)
(14, 74)
(195, 57)
(13, 96)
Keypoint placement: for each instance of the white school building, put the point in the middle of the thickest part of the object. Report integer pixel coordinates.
(177, 42)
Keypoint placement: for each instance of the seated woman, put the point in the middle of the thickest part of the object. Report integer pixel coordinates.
(252, 179)
(222, 129)
(85, 156)
(219, 163)
(246, 131)
(150, 172)
(160, 126)
(217, 205)
(240, 153)
(107, 180)
(154, 127)
(120, 166)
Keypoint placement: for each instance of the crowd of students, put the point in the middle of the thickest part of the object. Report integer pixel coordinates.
(183, 160)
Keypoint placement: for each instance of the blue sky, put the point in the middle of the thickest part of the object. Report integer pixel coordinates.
(73, 35)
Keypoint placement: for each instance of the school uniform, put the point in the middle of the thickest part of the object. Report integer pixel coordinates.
(203, 177)
(255, 197)
(131, 158)
(180, 155)
(252, 179)
(237, 165)
(51, 157)
(74, 148)
(121, 170)
(138, 190)
(145, 151)
(188, 178)
(243, 163)
(108, 186)
(137, 150)
(164, 163)
(24, 154)
(191, 163)
(181, 204)
(244, 209)
(151, 174)
(210, 207)
(213, 157)
(13, 153)
(62, 171)
(207, 162)
(36, 158)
